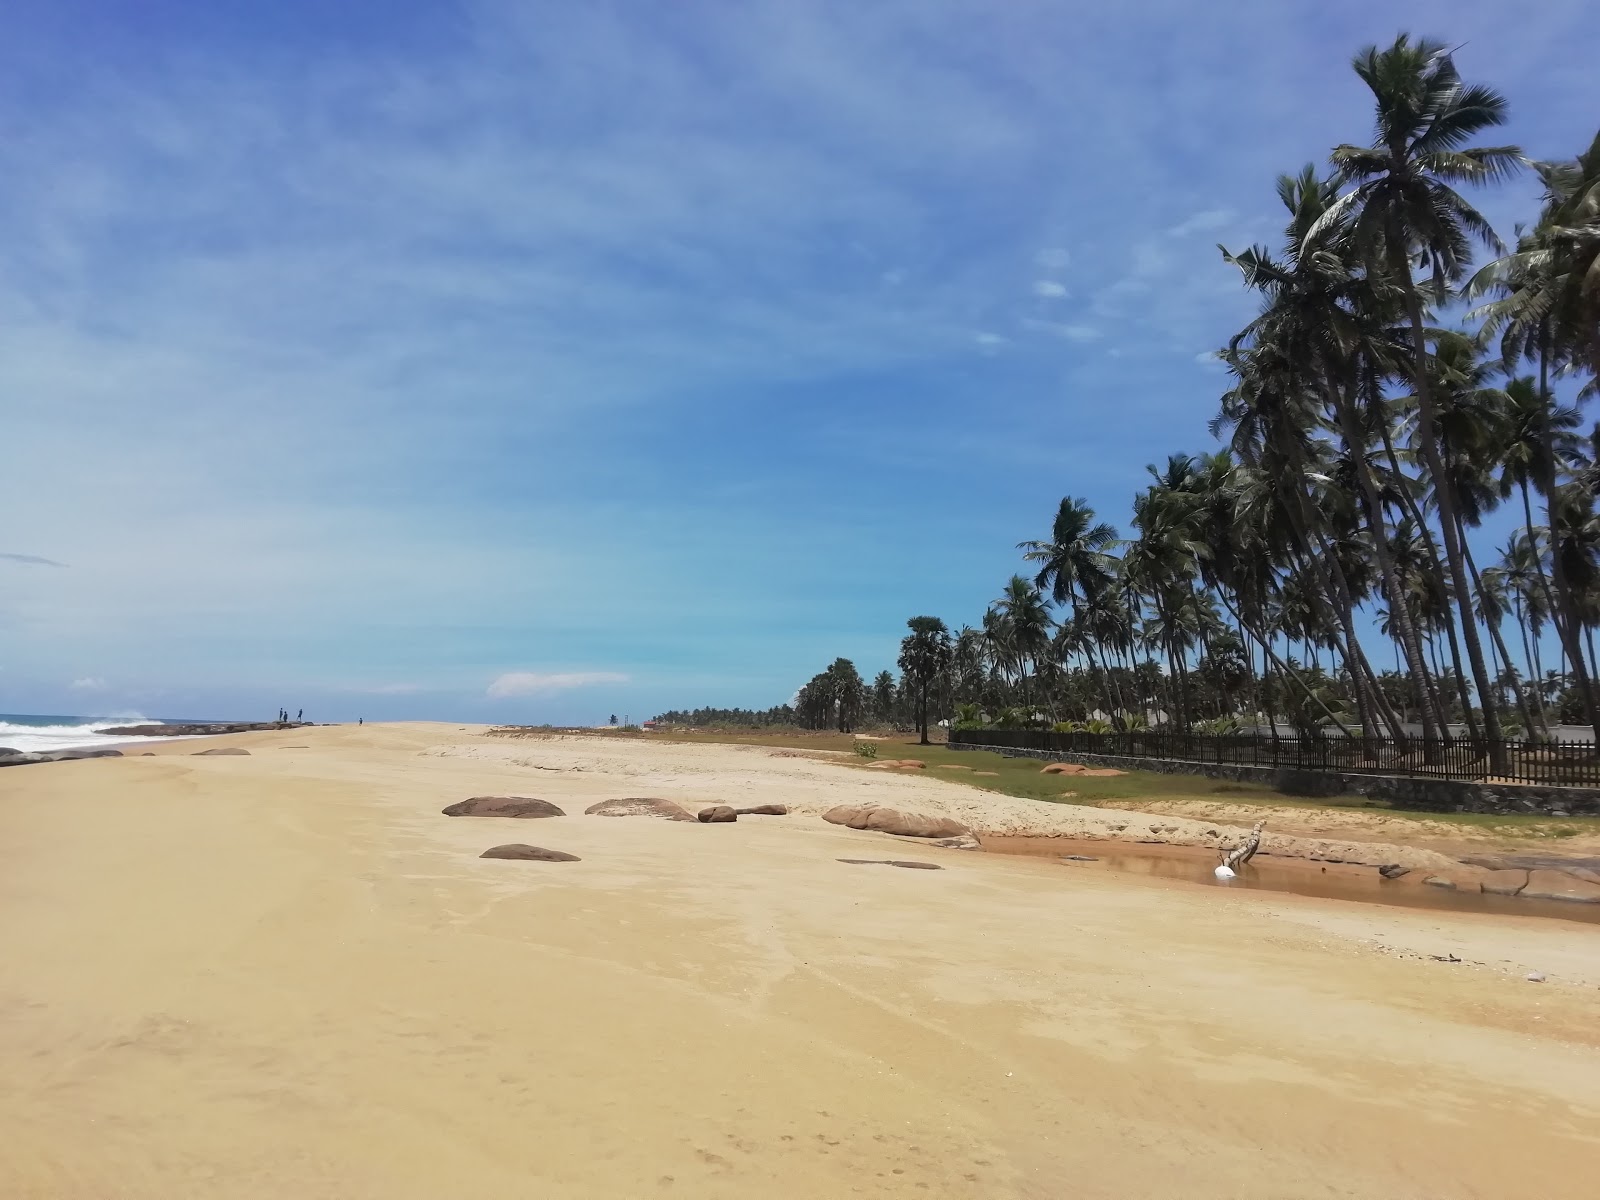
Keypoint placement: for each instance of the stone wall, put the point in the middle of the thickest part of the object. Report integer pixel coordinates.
(1426, 795)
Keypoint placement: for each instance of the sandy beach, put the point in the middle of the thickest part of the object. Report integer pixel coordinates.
(285, 974)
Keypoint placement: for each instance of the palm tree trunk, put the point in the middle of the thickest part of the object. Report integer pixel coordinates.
(1432, 708)
(1288, 670)
(1448, 522)
(1565, 614)
(1498, 643)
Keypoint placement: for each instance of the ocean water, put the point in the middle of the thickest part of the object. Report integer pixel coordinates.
(31, 733)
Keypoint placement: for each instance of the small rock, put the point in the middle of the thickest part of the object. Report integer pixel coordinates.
(721, 814)
(1080, 858)
(1534, 976)
(963, 841)
(1435, 881)
(533, 853)
(503, 806)
(1393, 871)
(220, 750)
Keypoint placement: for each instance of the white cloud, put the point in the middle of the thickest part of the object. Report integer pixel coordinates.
(1064, 329)
(988, 343)
(1209, 359)
(1201, 222)
(90, 684)
(1053, 258)
(1048, 289)
(528, 683)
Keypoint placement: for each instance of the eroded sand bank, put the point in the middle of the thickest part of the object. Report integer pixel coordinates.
(285, 974)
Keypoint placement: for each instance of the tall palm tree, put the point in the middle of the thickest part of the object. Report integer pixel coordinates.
(1022, 612)
(1404, 209)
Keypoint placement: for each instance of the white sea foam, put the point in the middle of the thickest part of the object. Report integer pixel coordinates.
(83, 735)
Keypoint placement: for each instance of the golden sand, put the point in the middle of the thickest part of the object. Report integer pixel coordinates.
(287, 975)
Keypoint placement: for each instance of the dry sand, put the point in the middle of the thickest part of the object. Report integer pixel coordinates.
(286, 975)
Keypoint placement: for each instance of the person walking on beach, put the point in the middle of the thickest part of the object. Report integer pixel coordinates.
(299, 716)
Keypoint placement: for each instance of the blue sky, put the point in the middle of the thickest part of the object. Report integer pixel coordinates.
(538, 361)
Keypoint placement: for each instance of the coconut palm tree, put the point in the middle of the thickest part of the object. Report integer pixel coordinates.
(1402, 209)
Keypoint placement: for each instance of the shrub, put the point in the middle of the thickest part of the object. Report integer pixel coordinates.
(867, 749)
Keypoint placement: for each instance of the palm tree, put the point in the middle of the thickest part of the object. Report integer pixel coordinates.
(924, 657)
(1021, 612)
(1548, 311)
(1402, 208)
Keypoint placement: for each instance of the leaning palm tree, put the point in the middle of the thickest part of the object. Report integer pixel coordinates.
(1403, 209)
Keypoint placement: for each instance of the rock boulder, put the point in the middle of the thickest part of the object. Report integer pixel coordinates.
(719, 814)
(764, 810)
(895, 821)
(533, 853)
(502, 806)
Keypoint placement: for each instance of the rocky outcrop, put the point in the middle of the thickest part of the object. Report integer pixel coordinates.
(22, 758)
(1504, 883)
(199, 730)
(640, 806)
(1393, 870)
(719, 814)
(764, 810)
(1559, 885)
(893, 820)
(219, 750)
(503, 806)
(517, 850)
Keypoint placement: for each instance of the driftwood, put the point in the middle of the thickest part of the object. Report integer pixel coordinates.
(1239, 855)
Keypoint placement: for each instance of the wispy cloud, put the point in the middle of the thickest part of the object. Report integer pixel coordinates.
(531, 683)
(90, 684)
(1049, 289)
(1204, 221)
(32, 560)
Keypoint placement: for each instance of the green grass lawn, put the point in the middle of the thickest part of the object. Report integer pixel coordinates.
(1023, 777)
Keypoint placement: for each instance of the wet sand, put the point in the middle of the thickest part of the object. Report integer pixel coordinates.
(1194, 865)
(285, 974)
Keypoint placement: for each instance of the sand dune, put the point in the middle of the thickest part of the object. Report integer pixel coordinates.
(287, 975)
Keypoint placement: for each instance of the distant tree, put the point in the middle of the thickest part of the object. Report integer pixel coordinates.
(924, 656)
(883, 698)
(849, 694)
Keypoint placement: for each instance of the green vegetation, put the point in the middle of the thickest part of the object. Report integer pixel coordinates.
(1383, 401)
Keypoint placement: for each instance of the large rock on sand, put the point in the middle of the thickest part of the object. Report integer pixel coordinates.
(764, 810)
(1558, 885)
(895, 821)
(719, 814)
(503, 806)
(640, 806)
(533, 853)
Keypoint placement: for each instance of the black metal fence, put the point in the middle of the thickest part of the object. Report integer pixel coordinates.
(1554, 764)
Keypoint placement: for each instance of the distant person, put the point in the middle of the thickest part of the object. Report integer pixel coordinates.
(360, 720)
(299, 716)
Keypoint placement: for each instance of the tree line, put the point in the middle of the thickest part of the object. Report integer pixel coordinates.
(1385, 399)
